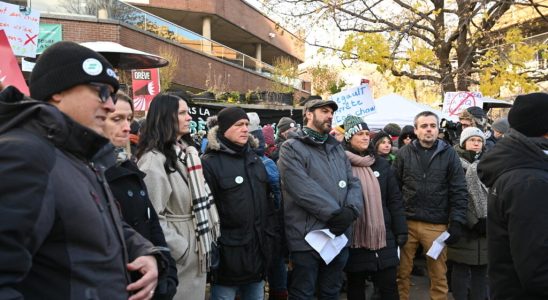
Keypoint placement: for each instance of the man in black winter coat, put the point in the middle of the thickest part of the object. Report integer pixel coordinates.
(516, 172)
(61, 233)
(239, 184)
(434, 193)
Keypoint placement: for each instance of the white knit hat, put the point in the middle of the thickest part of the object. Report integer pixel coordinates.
(254, 121)
(469, 132)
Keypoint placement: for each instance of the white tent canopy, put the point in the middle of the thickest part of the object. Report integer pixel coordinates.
(394, 108)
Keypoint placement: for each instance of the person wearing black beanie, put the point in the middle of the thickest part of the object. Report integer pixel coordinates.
(516, 173)
(65, 236)
(238, 181)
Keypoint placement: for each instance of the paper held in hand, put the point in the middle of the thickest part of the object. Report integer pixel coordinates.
(437, 245)
(326, 243)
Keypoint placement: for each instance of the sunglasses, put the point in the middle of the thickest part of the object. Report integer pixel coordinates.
(104, 92)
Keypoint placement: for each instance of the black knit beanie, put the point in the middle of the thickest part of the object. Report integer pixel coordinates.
(228, 116)
(65, 65)
(529, 114)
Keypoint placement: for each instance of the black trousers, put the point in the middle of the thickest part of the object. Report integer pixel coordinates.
(384, 280)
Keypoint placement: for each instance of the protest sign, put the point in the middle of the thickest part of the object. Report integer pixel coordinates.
(49, 35)
(10, 74)
(455, 102)
(355, 101)
(21, 29)
(146, 85)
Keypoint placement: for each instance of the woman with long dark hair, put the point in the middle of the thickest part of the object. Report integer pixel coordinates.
(126, 182)
(178, 191)
(381, 227)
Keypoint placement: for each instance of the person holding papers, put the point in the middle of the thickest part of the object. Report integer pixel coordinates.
(319, 192)
(435, 196)
(382, 227)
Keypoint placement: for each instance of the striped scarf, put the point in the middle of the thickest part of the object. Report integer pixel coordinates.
(204, 211)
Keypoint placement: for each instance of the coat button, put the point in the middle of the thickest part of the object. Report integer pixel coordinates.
(130, 193)
(142, 193)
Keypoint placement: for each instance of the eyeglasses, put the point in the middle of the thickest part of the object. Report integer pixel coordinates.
(104, 92)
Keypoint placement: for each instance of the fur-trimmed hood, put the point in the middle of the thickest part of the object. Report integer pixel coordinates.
(214, 144)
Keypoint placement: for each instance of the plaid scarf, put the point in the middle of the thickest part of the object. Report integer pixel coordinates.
(204, 211)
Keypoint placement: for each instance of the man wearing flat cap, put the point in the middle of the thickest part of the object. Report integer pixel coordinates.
(516, 172)
(319, 192)
(61, 233)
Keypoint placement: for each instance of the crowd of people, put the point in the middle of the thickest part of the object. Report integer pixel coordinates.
(97, 205)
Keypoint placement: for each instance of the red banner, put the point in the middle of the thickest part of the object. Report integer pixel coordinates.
(146, 85)
(10, 74)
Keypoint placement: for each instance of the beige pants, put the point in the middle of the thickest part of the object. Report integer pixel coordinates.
(423, 233)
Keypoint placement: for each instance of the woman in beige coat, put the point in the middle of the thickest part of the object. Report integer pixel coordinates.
(172, 179)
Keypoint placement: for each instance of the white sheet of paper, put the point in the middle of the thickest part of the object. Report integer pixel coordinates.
(326, 244)
(438, 245)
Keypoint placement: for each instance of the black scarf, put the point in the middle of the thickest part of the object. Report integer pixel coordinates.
(230, 145)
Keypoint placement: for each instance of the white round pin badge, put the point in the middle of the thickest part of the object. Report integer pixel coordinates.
(377, 174)
(92, 66)
(239, 179)
(342, 184)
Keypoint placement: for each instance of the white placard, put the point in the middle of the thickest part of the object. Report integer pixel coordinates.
(22, 29)
(455, 102)
(356, 101)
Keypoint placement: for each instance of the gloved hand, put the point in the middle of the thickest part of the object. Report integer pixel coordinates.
(401, 239)
(481, 226)
(341, 219)
(455, 232)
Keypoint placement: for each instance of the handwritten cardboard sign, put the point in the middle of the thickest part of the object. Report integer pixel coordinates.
(21, 29)
(455, 102)
(355, 101)
(146, 85)
(10, 74)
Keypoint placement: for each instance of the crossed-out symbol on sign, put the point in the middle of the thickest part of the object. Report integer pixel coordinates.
(454, 105)
(30, 39)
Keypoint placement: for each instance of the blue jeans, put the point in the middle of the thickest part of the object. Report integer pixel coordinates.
(250, 291)
(310, 271)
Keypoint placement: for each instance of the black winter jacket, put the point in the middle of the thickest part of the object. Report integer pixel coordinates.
(361, 259)
(127, 185)
(61, 234)
(437, 195)
(239, 184)
(516, 171)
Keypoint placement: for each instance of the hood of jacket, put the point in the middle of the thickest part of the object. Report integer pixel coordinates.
(17, 110)
(514, 151)
(213, 143)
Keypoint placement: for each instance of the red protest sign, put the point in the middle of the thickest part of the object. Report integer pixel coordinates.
(146, 85)
(10, 74)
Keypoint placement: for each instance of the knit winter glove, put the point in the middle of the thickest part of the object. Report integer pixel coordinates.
(455, 232)
(401, 239)
(481, 226)
(341, 220)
